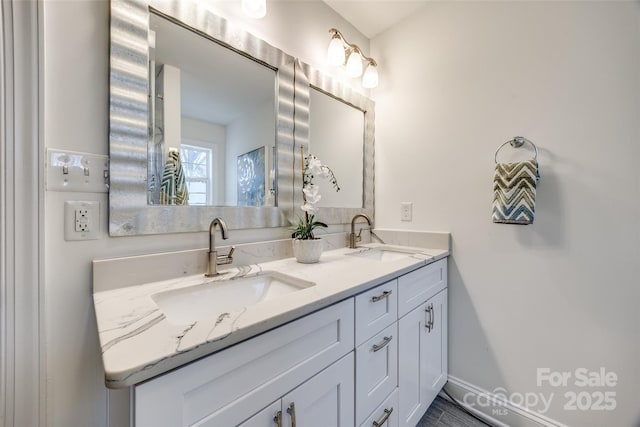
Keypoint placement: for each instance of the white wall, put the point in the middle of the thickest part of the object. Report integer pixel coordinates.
(457, 80)
(75, 98)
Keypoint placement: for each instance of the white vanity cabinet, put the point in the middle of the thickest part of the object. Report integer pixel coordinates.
(231, 386)
(422, 335)
(376, 359)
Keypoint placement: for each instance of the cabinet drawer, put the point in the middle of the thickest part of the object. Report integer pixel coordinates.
(418, 286)
(376, 309)
(385, 415)
(248, 375)
(376, 371)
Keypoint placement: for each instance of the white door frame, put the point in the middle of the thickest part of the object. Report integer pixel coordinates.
(22, 376)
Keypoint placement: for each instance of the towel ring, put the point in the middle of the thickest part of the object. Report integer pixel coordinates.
(517, 142)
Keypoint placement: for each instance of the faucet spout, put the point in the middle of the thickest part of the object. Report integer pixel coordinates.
(353, 238)
(213, 259)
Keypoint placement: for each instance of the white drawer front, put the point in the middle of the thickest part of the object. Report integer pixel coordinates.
(249, 375)
(385, 415)
(376, 371)
(418, 286)
(376, 309)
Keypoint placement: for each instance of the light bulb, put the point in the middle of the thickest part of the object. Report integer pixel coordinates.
(354, 65)
(335, 53)
(254, 8)
(370, 78)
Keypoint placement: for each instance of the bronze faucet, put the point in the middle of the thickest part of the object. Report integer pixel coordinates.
(214, 260)
(353, 239)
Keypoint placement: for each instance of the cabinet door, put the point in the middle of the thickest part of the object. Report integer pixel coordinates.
(411, 369)
(324, 400)
(422, 354)
(268, 417)
(435, 361)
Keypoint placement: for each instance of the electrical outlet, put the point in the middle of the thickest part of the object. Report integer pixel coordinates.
(406, 211)
(81, 220)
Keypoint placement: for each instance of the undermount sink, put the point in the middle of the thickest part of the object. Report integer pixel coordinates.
(382, 254)
(212, 299)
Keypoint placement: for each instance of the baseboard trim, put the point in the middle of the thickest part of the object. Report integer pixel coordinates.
(515, 414)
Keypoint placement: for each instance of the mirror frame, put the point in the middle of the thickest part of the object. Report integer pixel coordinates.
(129, 212)
(307, 78)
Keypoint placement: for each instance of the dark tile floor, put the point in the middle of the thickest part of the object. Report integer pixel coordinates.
(443, 413)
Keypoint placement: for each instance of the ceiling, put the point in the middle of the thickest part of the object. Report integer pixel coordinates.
(372, 17)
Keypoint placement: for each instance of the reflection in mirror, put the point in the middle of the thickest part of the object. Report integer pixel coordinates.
(217, 109)
(336, 137)
(336, 124)
(130, 210)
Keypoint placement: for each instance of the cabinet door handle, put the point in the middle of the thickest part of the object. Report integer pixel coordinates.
(384, 418)
(384, 295)
(383, 344)
(433, 316)
(429, 321)
(278, 419)
(291, 410)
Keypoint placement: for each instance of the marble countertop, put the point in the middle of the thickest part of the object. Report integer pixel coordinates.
(138, 341)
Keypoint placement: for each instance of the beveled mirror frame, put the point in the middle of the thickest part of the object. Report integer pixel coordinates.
(306, 78)
(129, 213)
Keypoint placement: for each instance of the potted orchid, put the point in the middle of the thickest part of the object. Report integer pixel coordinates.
(306, 247)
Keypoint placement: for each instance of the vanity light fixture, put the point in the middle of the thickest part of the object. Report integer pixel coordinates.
(254, 8)
(340, 50)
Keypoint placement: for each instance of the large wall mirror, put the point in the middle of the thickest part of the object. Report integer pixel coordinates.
(336, 124)
(183, 80)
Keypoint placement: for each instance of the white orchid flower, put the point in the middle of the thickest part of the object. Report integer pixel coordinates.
(312, 194)
(315, 166)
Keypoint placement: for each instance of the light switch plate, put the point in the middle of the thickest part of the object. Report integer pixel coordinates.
(81, 220)
(82, 172)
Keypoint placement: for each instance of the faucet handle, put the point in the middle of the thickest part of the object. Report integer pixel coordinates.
(230, 254)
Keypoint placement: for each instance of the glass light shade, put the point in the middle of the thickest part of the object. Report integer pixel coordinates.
(335, 53)
(354, 65)
(370, 78)
(254, 8)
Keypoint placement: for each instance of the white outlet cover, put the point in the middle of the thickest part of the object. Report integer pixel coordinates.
(406, 211)
(93, 220)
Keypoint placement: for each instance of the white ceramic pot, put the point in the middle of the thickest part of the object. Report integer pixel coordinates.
(307, 251)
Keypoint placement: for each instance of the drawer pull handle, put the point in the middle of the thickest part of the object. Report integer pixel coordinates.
(278, 419)
(383, 344)
(291, 410)
(384, 295)
(384, 418)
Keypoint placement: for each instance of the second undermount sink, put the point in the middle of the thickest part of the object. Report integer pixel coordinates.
(213, 299)
(383, 254)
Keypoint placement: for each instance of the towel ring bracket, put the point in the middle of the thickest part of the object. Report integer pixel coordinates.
(517, 142)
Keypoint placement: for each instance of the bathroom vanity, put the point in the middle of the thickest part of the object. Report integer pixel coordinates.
(363, 342)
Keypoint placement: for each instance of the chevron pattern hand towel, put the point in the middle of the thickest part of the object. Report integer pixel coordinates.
(514, 192)
(173, 190)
